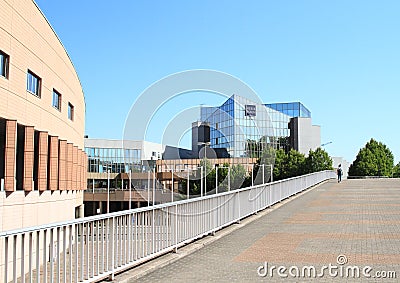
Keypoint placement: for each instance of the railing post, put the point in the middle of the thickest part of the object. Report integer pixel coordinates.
(5, 259)
(30, 256)
(238, 206)
(176, 229)
(22, 258)
(111, 276)
(14, 244)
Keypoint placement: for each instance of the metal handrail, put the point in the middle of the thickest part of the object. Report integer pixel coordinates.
(96, 247)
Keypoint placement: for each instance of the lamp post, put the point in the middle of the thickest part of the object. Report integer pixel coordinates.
(130, 188)
(229, 178)
(205, 179)
(172, 189)
(154, 187)
(187, 189)
(216, 179)
(201, 181)
(148, 188)
(108, 191)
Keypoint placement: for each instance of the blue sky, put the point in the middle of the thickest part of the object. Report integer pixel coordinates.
(340, 58)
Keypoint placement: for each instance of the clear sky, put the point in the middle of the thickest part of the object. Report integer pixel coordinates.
(339, 58)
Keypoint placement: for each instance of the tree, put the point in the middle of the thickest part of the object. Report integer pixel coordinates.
(374, 159)
(396, 171)
(317, 160)
(279, 167)
(206, 172)
(263, 165)
(294, 164)
(238, 175)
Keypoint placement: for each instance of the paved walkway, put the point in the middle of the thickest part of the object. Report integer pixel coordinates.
(357, 220)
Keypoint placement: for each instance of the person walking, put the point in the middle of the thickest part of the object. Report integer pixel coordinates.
(339, 173)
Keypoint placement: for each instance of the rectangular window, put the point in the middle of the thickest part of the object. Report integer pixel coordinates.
(56, 100)
(70, 111)
(33, 83)
(4, 61)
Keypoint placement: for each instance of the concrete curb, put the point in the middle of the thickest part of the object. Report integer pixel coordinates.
(131, 275)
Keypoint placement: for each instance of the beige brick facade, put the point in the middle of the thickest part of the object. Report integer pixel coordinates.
(40, 173)
(43, 149)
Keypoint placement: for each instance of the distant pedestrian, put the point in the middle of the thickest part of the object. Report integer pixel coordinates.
(339, 173)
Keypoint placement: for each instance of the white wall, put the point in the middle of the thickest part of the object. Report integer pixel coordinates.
(345, 165)
(306, 136)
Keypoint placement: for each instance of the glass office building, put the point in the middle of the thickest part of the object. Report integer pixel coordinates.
(292, 109)
(116, 160)
(246, 128)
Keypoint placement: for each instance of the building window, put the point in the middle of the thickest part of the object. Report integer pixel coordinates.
(4, 61)
(70, 111)
(56, 100)
(33, 83)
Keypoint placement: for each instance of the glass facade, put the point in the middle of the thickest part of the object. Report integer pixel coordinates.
(116, 160)
(292, 109)
(239, 125)
(245, 128)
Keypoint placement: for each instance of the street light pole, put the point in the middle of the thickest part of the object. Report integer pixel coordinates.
(154, 187)
(201, 181)
(188, 193)
(252, 175)
(130, 189)
(172, 188)
(108, 191)
(205, 180)
(216, 179)
(229, 178)
(148, 188)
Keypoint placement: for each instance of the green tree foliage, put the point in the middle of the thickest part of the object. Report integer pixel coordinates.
(294, 164)
(317, 160)
(374, 159)
(263, 165)
(238, 176)
(223, 177)
(279, 167)
(396, 171)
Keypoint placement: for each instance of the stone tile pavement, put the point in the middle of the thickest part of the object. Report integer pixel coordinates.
(356, 221)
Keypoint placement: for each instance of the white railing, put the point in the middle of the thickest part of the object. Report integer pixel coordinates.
(92, 248)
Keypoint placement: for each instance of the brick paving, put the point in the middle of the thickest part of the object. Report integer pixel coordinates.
(356, 218)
